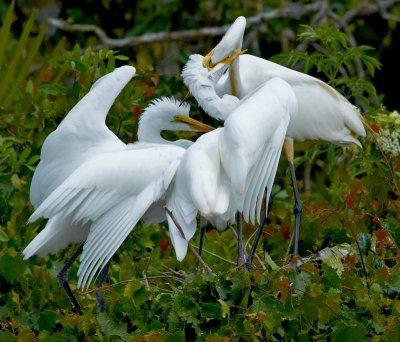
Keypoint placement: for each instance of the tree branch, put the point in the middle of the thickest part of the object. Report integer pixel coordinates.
(292, 11)
(295, 11)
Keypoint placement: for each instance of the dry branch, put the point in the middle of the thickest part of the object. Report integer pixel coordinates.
(291, 11)
(294, 11)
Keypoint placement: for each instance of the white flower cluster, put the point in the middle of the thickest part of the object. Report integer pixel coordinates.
(389, 142)
(389, 135)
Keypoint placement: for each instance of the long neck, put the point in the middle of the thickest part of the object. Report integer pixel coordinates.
(202, 87)
(157, 117)
(149, 131)
(233, 77)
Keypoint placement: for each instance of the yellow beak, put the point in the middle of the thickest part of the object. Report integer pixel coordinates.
(228, 60)
(207, 60)
(197, 126)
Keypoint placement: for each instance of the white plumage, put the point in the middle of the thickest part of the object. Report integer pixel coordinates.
(81, 134)
(201, 84)
(251, 143)
(103, 187)
(227, 170)
(323, 113)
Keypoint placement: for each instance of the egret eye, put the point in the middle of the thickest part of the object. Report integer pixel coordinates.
(177, 118)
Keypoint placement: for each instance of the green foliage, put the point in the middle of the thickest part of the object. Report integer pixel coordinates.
(336, 60)
(348, 287)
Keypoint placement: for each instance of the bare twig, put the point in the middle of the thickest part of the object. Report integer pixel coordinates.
(292, 11)
(135, 279)
(383, 6)
(179, 273)
(361, 257)
(217, 256)
(144, 272)
(260, 261)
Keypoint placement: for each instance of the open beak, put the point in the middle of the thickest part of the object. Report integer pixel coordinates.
(207, 60)
(226, 61)
(197, 126)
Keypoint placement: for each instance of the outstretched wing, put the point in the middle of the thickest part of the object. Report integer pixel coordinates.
(112, 191)
(82, 134)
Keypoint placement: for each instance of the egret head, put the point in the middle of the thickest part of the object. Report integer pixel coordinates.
(229, 48)
(167, 114)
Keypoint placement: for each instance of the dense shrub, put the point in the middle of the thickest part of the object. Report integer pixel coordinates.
(348, 286)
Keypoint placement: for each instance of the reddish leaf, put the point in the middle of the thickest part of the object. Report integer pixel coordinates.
(149, 92)
(154, 79)
(350, 261)
(350, 200)
(381, 235)
(137, 110)
(286, 232)
(164, 245)
(376, 128)
(284, 288)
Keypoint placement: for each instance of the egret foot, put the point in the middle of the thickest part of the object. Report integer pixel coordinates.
(63, 280)
(249, 265)
(101, 306)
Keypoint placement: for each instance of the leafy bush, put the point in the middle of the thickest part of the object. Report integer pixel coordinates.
(347, 288)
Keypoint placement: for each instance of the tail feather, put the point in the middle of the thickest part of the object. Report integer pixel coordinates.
(58, 234)
(353, 118)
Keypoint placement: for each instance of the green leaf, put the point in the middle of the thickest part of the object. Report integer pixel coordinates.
(47, 320)
(111, 328)
(3, 236)
(5, 30)
(347, 333)
(331, 276)
(12, 265)
(224, 309)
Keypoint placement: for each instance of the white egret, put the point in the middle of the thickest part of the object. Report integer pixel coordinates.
(323, 114)
(227, 170)
(103, 187)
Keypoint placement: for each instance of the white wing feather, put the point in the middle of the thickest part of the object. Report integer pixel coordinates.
(110, 230)
(323, 114)
(80, 135)
(112, 191)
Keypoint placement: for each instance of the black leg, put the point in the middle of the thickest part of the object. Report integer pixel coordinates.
(260, 229)
(202, 236)
(241, 259)
(63, 280)
(297, 210)
(99, 295)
